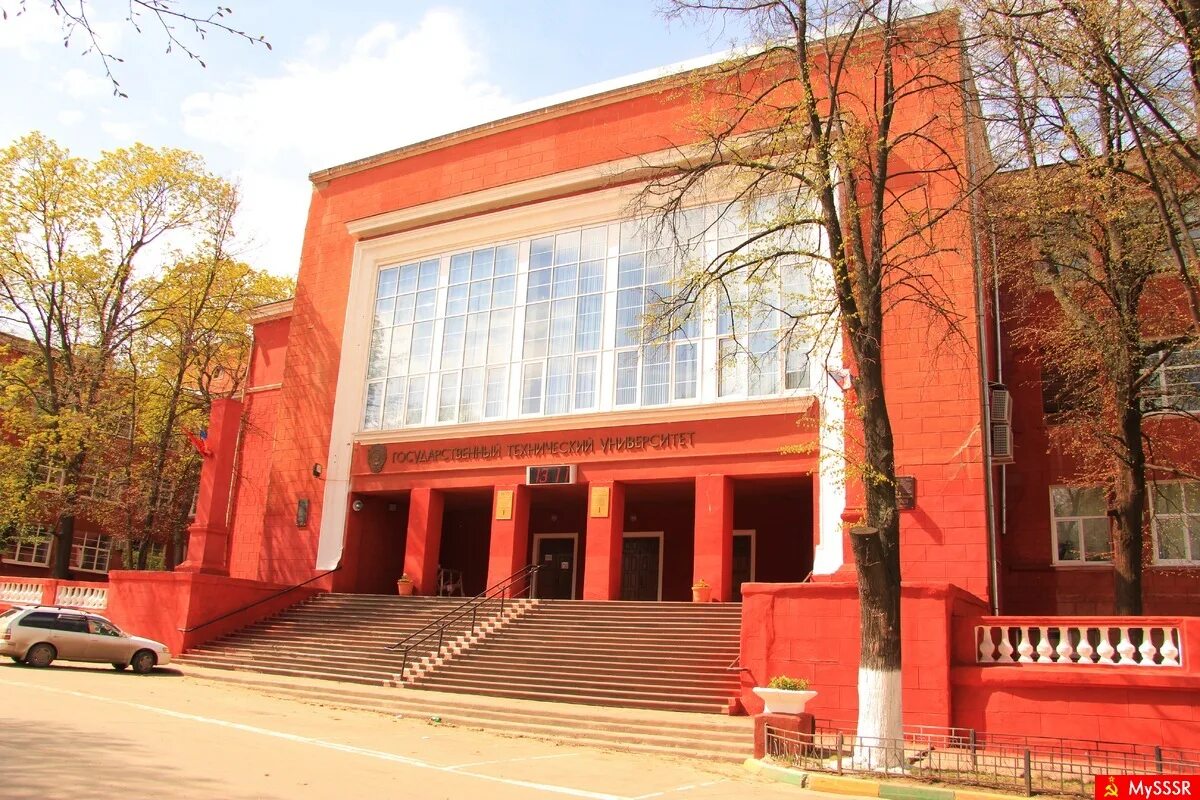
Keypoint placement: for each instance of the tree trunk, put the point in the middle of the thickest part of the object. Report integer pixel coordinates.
(877, 563)
(1129, 499)
(64, 537)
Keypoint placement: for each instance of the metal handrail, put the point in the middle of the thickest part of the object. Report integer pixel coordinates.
(280, 593)
(438, 626)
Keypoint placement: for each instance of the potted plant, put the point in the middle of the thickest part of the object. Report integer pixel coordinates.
(404, 586)
(701, 592)
(784, 695)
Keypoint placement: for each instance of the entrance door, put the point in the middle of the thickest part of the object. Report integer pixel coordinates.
(743, 561)
(555, 553)
(641, 566)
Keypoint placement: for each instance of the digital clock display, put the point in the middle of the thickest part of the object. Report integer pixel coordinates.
(562, 473)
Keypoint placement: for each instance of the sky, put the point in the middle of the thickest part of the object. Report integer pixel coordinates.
(342, 80)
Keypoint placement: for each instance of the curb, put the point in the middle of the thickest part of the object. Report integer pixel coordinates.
(862, 787)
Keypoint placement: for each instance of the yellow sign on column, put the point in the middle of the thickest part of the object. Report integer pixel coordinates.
(598, 507)
(504, 503)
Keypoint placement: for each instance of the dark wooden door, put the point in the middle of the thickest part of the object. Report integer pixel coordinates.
(556, 578)
(743, 560)
(639, 568)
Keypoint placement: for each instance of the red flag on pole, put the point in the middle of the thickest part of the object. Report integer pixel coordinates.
(197, 443)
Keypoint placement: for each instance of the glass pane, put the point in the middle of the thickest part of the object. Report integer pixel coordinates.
(373, 415)
(408, 278)
(497, 391)
(429, 274)
(539, 285)
(405, 309)
(460, 268)
(1168, 498)
(1095, 539)
(506, 260)
(627, 368)
(591, 277)
(385, 310)
(595, 243)
(796, 369)
(1068, 541)
(422, 347)
(629, 317)
(481, 296)
(415, 413)
(1193, 526)
(387, 282)
(589, 313)
(477, 340)
(1191, 496)
(658, 266)
(1172, 539)
(504, 291)
(378, 355)
(426, 304)
(656, 373)
(562, 327)
(558, 386)
(541, 252)
(763, 364)
(537, 329)
(401, 346)
(531, 388)
(685, 371)
(630, 271)
(448, 397)
(564, 280)
(500, 336)
(470, 401)
(482, 262)
(393, 404)
(632, 236)
(729, 381)
(453, 339)
(566, 248)
(585, 382)
(1075, 501)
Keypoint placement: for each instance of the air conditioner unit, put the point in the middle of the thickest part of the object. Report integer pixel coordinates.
(1000, 424)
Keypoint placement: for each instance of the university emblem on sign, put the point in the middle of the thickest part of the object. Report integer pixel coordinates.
(376, 457)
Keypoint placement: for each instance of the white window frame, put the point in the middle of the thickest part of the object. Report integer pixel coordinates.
(1193, 559)
(98, 544)
(1083, 561)
(41, 532)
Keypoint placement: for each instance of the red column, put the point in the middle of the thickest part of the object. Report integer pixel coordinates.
(604, 541)
(713, 560)
(423, 544)
(208, 535)
(510, 536)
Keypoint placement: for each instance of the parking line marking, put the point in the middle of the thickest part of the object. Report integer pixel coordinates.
(509, 760)
(344, 748)
(685, 788)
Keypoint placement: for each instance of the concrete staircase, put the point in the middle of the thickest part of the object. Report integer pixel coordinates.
(662, 656)
(344, 637)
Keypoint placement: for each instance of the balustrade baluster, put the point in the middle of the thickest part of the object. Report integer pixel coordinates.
(1065, 650)
(1148, 650)
(1105, 650)
(1125, 648)
(1169, 650)
(1025, 647)
(1085, 649)
(1044, 650)
(987, 647)
(1006, 647)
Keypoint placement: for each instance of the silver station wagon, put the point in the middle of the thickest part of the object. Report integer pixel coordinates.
(40, 635)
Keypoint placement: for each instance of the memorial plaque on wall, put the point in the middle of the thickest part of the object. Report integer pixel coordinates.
(504, 504)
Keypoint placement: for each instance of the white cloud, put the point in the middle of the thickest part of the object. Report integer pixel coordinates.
(70, 116)
(390, 87)
(83, 85)
(124, 132)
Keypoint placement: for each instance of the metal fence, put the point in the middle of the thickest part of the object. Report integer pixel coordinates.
(1022, 764)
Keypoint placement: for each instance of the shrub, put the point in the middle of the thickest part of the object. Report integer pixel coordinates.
(788, 684)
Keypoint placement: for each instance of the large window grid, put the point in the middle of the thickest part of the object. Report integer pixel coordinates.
(1175, 384)
(1175, 507)
(30, 547)
(562, 324)
(91, 552)
(1080, 525)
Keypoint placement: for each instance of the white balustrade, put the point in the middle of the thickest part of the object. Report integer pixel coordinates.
(18, 592)
(82, 596)
(1119, 644)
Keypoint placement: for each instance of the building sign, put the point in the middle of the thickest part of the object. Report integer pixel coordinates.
(598, 502)
(561, 473)
(504, 504)
(549, 448)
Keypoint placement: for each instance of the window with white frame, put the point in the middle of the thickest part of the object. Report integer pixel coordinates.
(1080, 525)
(1175, 383)
(30, 546)
(1175, 515)
(572, 323)
(91, 552)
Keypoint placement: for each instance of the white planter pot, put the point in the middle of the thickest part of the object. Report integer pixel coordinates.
(784, 701)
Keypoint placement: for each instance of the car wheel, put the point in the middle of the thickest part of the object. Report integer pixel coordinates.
(119, 666)
(143, 661)
(41, 655)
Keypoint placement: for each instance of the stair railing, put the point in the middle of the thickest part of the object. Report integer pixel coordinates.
(512, 587)
(268, 598)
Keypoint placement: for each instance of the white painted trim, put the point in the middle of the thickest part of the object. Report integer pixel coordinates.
(574, 537)
(753, 534)
(661, 552)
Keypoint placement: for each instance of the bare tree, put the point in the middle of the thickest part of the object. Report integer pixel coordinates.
(178, 23)
(844, 133)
